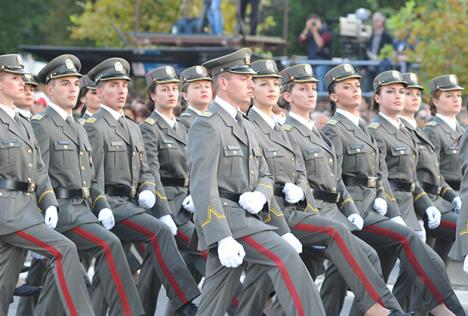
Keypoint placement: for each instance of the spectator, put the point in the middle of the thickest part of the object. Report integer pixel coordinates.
(215, 16)
(380, 37)
(318, 40)
(254, 13)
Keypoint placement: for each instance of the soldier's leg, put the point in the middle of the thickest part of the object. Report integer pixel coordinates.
(35, 277)
(11, 258)
(64, 261)
(194, 259)
(444, 234)
(255, 291)
(163, 256)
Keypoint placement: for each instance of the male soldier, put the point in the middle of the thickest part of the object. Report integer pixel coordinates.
(122, 171)
(66, 153)
(25, 188)
(197, 92)
(231, 189)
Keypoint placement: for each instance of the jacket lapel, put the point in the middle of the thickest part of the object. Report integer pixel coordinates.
(176, 134)
(59, 121)
(13, 127)
(231, 122)
(116, 126)
(357, 131)
(275, 136)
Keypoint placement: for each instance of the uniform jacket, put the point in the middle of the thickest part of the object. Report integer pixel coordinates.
(187, 118)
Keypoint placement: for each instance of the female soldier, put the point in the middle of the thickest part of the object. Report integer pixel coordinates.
(165, 141)
(364, 174)
(88, 100)
(327, 226)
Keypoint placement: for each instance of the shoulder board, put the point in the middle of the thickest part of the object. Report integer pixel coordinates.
(81, 121)
(185, 114)
(332, 122)
(374, 125)
(206, 114)
(287, 127)
(150, 121)
(431, 123)
(37, 117)
(90, 120)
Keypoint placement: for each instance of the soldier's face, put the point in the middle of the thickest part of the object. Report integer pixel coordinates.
(303, 97)
(64, 92)
(166, 95)
(26, 100)
(11, 86)
(412, 100)
(238, 89)
(199, 93)
(391, 98)
(113, 93)
(267, 91)
(347, 93)
(449, 103)
(91, 99)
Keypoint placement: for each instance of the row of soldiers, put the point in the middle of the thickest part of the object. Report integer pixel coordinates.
(224, 189)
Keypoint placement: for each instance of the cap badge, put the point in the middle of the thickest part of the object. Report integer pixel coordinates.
(308, 70)
(269, 65)
(413, 77)
(28, 76)
(395, 74)
(69, 64)
(19, 59)
(453, 79)
(199, 70)
(119, 67)
(247, 60)
(169, 71)
(348, 68)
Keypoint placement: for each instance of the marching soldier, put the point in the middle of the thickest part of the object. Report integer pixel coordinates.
(25, 102)
(197, 92)
(66, 153)
(122, 172)
(232, 190)
(24, 188)
(87, 98)
(364, 174)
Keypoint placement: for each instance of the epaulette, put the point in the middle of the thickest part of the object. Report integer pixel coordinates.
(150, 121)
(90, 120)
(81, 121)
(287, 127)
(331, 122)
(374, 125)
(37, 117)
(206, 114)
(185, 114)
(431, 123)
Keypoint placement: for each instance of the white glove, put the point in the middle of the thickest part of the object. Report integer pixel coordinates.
(293, 241)
(456, 204)
(252, 202)
(421, 233)
(399, 220)
(293, 193)
(380, 206)
(187, 204)
(146, 199)
(106, 217)
(357, 220)
(230, 252)
(51, 216)
(433, 216)
(465, 265)
(167, 219)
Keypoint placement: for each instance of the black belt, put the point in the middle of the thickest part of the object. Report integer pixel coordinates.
(234, 197)
(326, 196)
(278, 189)
(430, 188)
(120, 190)
(28, 187)
(455, 184)
(61, 193)
(370, 182)
(174, 182)
(404, 186)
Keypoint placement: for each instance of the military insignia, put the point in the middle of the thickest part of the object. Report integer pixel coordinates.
(81, 121)
(374, 125)
(169, 71)
(119, 67)
(395, 74)
(287, 127)
(150, 121)
(19, 60)
(308, 70)
(348, 68)
(199, 70)
(453, 79)
(331, 122)
(90, 120)
(28, 76)
(247, 60)
(69, 64)
(269, 65)
(431, 123)
(37, 117)
(413, 77)
(206, 114)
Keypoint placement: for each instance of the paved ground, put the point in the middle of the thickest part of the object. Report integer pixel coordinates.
(458, 278)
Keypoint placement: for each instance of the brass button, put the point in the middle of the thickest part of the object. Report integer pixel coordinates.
(292, 158)
(402, 152)
(274, 154)
(66, 146)
(224, 203)
(1, 193)
(454, 151)
(414, 156)
(81, 153)
(358, 150)
(30, 165)
(84, 182)
(330, 160)
(334, 189)
(29, 179)
(29, 151)
(332, 175)
(82, 167)
(294, 174)
(133, 153)
(315, 155)
(169, 145)
(252, 172)
(234, 152)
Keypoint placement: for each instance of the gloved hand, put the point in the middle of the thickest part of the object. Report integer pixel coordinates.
(230, 252)
(106, 217)
(465, 265)
(51, 216)
(357, 220)
(399, 220)
(167, 219)
(433, 216)
(293, 241)
(456, 204)
(187, 204)
(146, 199)
(421, 233)
(293, 193)
(380, 206)
(252, 202)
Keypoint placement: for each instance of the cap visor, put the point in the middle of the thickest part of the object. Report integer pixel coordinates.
(267, 76)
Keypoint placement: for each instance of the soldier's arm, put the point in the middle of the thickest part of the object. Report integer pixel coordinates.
(150, 139)
(146, 180)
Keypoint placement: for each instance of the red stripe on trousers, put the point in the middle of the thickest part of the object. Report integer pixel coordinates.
(111, 263)
(186, 239)
(159, 257)
(448, 225)
(346, 253)
(282, 268)
(58, 265)
(411, 258)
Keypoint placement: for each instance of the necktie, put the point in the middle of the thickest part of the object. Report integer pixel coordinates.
(239, 120)
(20, 124)
(71, 123)
(124, 126)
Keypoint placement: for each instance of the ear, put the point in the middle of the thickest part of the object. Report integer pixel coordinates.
(153, 95)
(333, 97)
(378, 98)
(287, 96)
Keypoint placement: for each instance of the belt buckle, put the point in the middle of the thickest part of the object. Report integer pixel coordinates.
(371, 182)
(413, 186)
(85, 192)
(186, 182)
(338, 196)
(133, 191)
(31, 187)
